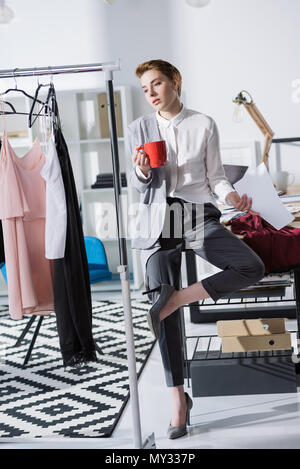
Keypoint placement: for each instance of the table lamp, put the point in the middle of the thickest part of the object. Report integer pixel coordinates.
(258, 119)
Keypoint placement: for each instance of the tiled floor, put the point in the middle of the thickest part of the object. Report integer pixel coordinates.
(253, 421)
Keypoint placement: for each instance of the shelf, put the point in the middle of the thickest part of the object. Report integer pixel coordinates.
(109, 240)
(214, 373)
(90, 155)
(20, 144)
(104, 189)
(209, 347)
(279, 302)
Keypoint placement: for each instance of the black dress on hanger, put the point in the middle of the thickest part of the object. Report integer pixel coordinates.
(72, 293)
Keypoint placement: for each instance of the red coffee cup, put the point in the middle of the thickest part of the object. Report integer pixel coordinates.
(156, 152)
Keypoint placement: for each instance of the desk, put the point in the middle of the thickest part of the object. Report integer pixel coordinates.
(249, 372)
(209, 311)
(294, 189)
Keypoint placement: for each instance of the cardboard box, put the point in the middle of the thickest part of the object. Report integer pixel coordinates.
(251, 327)
(256, 343)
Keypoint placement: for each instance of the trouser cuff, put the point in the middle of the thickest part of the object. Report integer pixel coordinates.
(175, 382)
(210, 290)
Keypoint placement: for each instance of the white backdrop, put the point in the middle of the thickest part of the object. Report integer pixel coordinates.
(220, 49)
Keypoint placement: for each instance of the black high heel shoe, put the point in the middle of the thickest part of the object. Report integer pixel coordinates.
(153, 314)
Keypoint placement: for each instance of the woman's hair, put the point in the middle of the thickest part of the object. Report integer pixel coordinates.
(162, 66)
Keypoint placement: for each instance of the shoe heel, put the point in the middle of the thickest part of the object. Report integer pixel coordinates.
(189, 403)
(188, 418)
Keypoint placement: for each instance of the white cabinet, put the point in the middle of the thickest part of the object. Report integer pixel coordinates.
(86, 134)
(85, 130)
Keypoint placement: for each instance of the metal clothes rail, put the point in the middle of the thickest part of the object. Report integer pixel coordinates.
(108, 68)
(49, 70)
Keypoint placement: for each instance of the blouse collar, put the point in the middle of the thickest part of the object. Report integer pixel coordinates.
(174, 121)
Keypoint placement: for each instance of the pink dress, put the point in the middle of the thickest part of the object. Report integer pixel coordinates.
(23, 212)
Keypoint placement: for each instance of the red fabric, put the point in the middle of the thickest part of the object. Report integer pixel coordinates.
(278, 249)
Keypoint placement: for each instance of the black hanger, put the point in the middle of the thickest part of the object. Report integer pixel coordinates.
(11, 106)
(45, 109)
(19, 90)
(13, 110)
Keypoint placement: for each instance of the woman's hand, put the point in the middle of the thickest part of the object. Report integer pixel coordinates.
(243, 203)
(141, 160)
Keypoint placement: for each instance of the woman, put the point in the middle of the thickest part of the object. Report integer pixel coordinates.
(192, 175)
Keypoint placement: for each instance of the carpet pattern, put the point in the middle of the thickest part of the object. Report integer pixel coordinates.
(45, 400)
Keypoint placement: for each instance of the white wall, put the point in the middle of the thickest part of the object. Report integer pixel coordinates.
(220, 49)
(232, 45)
(138, 30)
(53, 33)
(85, 31)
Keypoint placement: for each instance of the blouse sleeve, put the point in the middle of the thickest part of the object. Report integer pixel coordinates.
(215, 172)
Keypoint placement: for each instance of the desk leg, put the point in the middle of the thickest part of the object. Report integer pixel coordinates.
(297, 297)
(297, 300)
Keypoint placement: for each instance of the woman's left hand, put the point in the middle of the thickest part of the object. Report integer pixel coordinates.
(243, 203)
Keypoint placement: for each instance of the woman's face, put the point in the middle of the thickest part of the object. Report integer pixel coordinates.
(160, 92)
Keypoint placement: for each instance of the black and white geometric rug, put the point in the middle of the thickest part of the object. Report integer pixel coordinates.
(44, 400)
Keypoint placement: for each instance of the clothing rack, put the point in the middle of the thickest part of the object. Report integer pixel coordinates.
(108, 68)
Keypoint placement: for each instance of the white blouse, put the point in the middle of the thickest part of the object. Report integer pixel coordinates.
(56, 209)
(194, 168)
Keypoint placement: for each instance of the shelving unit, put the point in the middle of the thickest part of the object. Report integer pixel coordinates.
(90, 155)
(213, 373)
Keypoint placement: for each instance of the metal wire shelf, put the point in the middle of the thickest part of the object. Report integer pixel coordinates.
(261, 303)
(209, 353)
(215, 355)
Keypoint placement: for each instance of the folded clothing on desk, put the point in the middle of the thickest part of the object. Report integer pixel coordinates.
(278, 249)
(262, 289)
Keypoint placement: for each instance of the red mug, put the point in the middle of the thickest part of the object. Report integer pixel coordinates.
(156, 152)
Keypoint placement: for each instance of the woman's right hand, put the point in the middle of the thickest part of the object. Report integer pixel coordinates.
(141, 160)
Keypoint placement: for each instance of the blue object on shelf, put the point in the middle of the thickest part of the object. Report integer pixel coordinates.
(97, 260)
(3, 271)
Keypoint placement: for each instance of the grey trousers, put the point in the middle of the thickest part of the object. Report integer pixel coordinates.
(240, 265)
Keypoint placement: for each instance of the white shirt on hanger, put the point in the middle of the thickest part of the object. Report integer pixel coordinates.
(56, 208)
(194, 168)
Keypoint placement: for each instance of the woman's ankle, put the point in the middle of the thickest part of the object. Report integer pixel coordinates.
(179, 411)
